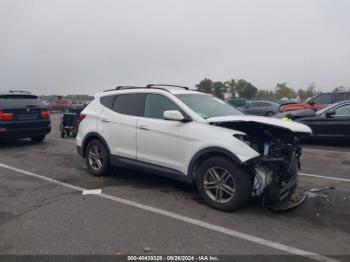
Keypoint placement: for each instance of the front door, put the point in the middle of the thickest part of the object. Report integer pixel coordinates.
(337, 124)
(159, 141)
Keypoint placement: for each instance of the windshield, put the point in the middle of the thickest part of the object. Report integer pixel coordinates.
(208, 106)
(324, 109)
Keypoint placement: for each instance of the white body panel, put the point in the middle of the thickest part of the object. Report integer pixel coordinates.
(173, 144)
(166, 143)
(119, 131)
(89, 125)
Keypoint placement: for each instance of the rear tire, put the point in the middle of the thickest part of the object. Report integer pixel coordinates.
(269, 114)
(37, 139)
(74, 134)
(222, 184)
(62, 134)
(97, 158)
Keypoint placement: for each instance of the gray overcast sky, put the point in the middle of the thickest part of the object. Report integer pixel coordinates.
(84, 46)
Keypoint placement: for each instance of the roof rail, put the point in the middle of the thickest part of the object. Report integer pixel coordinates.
(155, 85)
(122, 87)
(19, 91)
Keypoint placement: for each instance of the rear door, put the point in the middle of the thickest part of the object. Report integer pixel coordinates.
(252, 108)
(117, 123)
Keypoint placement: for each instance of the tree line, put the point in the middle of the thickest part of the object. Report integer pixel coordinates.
(246, 90)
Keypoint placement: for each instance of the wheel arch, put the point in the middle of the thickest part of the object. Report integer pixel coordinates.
(206, 153)
(91, 136)
(270, 112)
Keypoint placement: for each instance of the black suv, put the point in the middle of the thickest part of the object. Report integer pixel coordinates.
(23, 115)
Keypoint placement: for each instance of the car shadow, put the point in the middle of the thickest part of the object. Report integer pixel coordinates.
(142, 179)
(17, 143)
(122, 177)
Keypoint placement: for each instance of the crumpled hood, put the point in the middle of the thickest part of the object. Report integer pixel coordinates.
(292, 126)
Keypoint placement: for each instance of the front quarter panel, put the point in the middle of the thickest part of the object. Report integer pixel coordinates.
(209, 136)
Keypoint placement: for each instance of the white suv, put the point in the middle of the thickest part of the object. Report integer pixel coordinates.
(194, 137)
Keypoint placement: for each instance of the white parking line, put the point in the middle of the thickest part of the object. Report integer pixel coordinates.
(325, 177)
(189, 220)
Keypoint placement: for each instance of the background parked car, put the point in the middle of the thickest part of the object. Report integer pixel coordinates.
(23, 115)
(62, 105)
(237, 102)
(333, 120)
(318, 101)
(262, 108)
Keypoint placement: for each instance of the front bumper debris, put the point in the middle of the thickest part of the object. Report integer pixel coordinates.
(295, 200)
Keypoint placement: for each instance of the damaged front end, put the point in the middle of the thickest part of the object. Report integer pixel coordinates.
(275, 171)
(276, 175)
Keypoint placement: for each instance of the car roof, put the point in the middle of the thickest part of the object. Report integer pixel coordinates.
(266, 101)
(173, 89)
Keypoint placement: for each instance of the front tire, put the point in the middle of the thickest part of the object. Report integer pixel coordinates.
(97, 158)
(222, 184)
(38, 139)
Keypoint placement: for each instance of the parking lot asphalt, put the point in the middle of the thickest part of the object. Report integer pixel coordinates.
(39, 216)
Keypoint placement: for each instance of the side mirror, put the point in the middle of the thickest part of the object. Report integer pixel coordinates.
(173, 115)
(330, 113)
(290, 116)
(311, 103)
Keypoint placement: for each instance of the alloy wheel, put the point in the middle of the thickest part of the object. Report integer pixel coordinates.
(219, 185)
(95, 157)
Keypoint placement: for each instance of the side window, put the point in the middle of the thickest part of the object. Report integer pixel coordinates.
(155, 105)
(264, 104)
(343, 111)
(253, 104)
(342, 96)
(129, 104)
(323, 99)
(259, 104)
(107, 101)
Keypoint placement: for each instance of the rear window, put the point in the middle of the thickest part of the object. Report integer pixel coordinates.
(129, 104)
(107, 101)
(342, 96)
(322, 99)
(15, 101)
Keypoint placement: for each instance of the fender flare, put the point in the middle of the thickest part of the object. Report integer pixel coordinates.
(94, 134)
(211, 150)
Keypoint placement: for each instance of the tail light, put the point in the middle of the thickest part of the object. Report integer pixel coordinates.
(45, 114)
(81, 117)
(6, 116)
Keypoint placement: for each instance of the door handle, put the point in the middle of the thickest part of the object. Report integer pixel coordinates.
(143, 127)
(105, 120)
